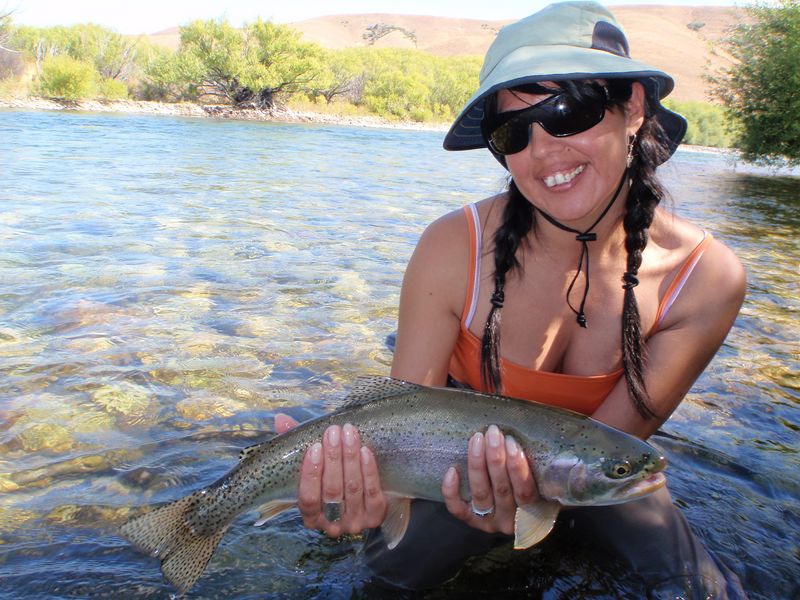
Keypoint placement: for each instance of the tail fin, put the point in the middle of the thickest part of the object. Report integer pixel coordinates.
(166, 534)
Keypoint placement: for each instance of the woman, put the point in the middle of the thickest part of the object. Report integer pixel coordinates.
(497, 297)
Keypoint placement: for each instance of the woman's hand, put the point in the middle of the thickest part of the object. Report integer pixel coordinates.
(500, 479)
(340, 490)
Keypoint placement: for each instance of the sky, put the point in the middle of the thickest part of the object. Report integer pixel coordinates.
(152, 16)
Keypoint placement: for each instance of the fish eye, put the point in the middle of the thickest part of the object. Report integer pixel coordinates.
(619, 470)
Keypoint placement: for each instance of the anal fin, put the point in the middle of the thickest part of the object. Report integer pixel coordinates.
(533, 522)
(396, 522)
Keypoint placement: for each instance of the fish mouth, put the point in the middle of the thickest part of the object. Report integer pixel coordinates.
(646, 486)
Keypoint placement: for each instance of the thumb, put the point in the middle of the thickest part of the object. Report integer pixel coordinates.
(284, 423)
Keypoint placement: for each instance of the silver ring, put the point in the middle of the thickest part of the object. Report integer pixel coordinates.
(481, 512)
(332, 511)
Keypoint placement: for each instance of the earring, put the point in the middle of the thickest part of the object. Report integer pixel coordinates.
(629, 158)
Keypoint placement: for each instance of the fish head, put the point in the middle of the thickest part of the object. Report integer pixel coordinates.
(602, 478)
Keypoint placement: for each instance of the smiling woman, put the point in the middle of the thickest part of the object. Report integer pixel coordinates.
(580, 128)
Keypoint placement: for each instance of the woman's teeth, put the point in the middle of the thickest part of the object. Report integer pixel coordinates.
(561, 178)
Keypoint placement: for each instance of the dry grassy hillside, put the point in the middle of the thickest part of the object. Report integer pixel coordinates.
(659, 35)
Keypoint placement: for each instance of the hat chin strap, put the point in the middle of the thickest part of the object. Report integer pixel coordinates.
(584, 237)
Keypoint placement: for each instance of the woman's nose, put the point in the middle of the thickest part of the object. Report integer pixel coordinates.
(541, 143)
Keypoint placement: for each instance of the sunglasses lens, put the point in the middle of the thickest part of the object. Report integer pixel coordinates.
(561, 115)
(569, 115)
(512, 136)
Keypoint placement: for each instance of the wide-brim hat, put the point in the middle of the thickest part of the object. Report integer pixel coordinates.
(567, 40)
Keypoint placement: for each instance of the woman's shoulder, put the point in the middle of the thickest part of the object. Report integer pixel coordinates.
(717, 282)
(680, 238)
(453, 228)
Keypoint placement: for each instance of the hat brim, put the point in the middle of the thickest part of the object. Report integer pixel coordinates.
(563, 62)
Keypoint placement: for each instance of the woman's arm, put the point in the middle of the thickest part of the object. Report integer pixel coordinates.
(680, 350)
(431, 301)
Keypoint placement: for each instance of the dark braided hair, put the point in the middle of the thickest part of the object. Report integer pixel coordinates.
(519, 217)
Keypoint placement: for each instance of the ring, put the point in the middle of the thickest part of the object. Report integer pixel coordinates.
(332, 511)
(481, 512)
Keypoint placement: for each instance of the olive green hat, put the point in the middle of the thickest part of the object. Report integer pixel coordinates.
(567, 40)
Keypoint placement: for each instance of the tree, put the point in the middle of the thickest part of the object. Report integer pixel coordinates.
(762, 90)
(11, 63)
(166, 75)
(113, 55)
(212, 54)
(251, 66)
(344, 76)
(280, 63)
(378, 30)
(5, 29)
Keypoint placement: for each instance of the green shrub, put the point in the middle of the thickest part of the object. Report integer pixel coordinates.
(709, 124)
(66, 78)
(112, 89)
(761, 86)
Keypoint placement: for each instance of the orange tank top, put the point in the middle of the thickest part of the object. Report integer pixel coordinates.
(580, 393)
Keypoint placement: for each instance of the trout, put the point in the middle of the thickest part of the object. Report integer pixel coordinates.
(416, 434)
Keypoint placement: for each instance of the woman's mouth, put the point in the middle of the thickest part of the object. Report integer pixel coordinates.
(562, 177)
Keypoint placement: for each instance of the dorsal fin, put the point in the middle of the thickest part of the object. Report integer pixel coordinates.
(369, 389)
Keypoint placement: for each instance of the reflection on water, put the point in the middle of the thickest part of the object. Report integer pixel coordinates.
(169, 284)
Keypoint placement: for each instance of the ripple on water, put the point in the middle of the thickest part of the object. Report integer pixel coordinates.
(161, 304)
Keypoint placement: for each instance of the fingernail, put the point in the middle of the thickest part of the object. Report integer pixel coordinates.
(512, 448)
(476, 444)
(493, 436)
(316, 454)
(349, 434)
(365, 456)
(334, 434)
(450, 477)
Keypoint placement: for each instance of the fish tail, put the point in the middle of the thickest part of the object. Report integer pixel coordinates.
(166, 533)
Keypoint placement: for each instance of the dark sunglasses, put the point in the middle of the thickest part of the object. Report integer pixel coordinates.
(560, 115)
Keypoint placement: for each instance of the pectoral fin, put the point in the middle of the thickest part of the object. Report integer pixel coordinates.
(272, 509)
(533, 522)
(396, 522)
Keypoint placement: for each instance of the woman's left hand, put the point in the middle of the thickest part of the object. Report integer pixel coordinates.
(500, 479)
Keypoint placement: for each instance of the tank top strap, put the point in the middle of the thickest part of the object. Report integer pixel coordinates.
(473, 282)
(675, 287)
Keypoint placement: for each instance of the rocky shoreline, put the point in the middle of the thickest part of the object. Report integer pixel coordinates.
(188, 109)
(283, 115)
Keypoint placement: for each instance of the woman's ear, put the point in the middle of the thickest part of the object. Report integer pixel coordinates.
(634, 109)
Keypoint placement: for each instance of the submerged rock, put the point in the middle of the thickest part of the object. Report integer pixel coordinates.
(46, 437)
(202, 407)
(125, 398)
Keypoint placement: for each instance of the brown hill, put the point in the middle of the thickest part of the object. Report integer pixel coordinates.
(682, 40)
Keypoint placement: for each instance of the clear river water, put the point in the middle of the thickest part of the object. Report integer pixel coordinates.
(167, 285)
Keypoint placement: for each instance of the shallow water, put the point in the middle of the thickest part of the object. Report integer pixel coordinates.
(167, 285)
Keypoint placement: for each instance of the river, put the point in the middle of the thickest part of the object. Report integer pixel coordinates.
(168, 284)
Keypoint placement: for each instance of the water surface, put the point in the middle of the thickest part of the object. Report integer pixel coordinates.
(167, 285)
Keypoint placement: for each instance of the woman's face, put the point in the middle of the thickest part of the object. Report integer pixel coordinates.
(573, 178)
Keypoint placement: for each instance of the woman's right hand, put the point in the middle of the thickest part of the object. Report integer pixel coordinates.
(340, 490)
(500, 479)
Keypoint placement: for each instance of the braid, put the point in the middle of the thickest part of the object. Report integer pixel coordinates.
(643, 197)
(517, 223)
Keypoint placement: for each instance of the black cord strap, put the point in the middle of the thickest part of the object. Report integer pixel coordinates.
(584, 237)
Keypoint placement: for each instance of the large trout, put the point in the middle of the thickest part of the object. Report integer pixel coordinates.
(416, 434)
